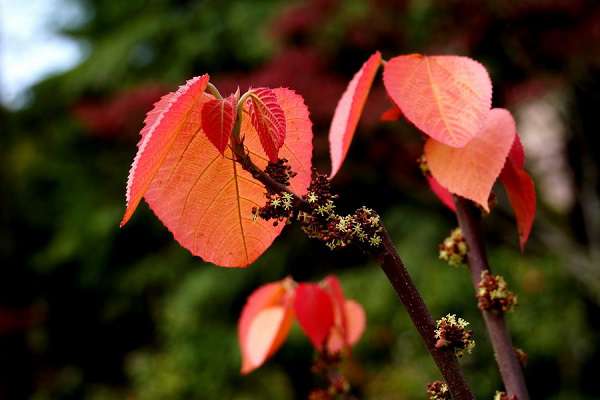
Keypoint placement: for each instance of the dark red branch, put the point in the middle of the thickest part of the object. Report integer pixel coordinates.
(510, 368)
(396, 272)
(446, 360)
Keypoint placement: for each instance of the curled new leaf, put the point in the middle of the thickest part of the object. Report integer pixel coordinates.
(349, 318)
(265, 323)
(314, 310)
(268, 119)
(447, 97)
(218, 118)
(206, 199)
(520, 189)
(173, 116)
(471, 171)
(348, 111)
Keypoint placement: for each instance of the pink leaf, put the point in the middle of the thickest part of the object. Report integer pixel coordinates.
(471, 171)
(206, 199)
(447, 97)
(172, 117)
(348, 111)
(520, 189)
(218, 118)
(441, 192)
(264, 324)
(268, 119)
(314, 311)
(356, 321)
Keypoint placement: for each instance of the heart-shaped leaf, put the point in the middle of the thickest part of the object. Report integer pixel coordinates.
(471, 171)
(520, 189)
(349, 110)
(314, 310)
(206, 199)
(218, 118)
(173, 116)
(447, 97)
(268, 119)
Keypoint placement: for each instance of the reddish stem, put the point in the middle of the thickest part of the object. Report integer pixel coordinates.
(508, 364)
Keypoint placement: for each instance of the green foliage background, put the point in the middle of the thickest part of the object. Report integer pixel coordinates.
(96, 312)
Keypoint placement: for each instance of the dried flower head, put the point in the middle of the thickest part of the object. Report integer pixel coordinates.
(452, 333)
(493, 294)
(438, 390)
(454, 248)
(503, 396)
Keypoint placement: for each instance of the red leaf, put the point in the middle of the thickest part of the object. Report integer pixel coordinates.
(447, 97)
(206, 199)
(348, 111)
(520, 189)
(471, 171)
(268, 119)
(264, 324)
(218, 118)
(441, 192)
(172, 117)
(314, 311)
(391, 114)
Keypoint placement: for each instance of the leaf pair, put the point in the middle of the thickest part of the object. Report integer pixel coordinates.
(329, 320)
(448, 98)
(187, 174)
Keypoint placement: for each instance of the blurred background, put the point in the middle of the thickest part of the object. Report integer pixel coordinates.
(91, 311)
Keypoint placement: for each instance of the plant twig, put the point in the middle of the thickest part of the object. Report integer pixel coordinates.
(394, 268)
(508, 364)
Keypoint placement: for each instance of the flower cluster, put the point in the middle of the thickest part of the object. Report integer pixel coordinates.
(493, 294)
(454, 248)
(279, 206)
(316, 212)
(321, 221)
(438, 390)
(503, 396)
(452, 333)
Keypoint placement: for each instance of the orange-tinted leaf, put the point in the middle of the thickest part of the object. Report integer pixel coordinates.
(268, 119)
(206, 199)
(173, 116)
(520, 189)
(314, 310)
(471, 171)
(348, 111)
(218, 118)
(441, 192)
(447, 97)
(264, 324)
(391, 114)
